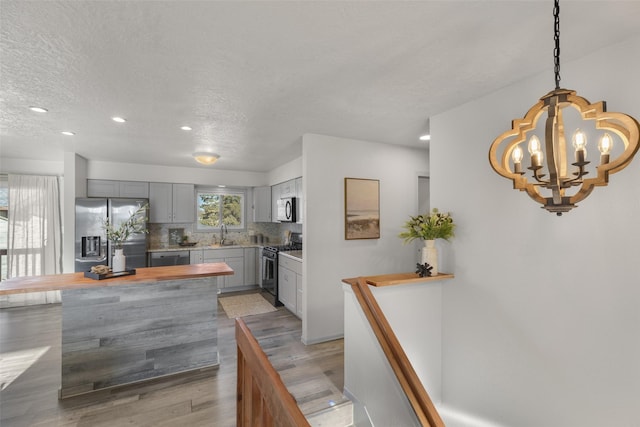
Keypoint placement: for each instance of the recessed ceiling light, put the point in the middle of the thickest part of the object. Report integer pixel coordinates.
(426, 137)
(222, 186)
(68, 133)
(38, 109)
(185, 128)
(118, 119)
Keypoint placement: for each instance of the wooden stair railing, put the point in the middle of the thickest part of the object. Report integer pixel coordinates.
(418, 397)
(262, 398)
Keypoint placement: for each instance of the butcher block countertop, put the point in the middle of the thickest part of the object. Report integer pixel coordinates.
(61, 282)
(398, 279)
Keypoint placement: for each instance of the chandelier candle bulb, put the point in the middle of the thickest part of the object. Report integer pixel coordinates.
(517, 159)
(604, 146)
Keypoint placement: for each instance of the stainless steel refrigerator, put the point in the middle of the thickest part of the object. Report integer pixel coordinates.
(91, 245)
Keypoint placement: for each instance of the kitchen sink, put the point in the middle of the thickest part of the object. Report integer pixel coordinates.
(224, 245)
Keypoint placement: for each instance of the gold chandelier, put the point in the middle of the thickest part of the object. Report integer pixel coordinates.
(553, 182)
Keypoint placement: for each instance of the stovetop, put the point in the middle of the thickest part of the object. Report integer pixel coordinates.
(279, 248)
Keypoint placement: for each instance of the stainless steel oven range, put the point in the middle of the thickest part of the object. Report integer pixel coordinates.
(270, 267)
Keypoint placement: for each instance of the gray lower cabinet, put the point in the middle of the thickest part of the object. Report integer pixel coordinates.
(234, 258)
(195, 256)
(290, 284)
(251, 266)
(243, 261)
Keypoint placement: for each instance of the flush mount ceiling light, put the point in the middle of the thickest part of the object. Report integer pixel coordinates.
(38, 109)
(118, 119)
(205, 158)
(553, 182)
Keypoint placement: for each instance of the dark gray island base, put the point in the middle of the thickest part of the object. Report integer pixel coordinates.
(118, 335)
(161, 321)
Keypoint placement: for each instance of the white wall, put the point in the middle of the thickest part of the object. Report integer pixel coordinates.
(289, 170)
(30, 167)
(541, 326)
(328, 257)
(75, 185)
(156, 173)
(414, 313)
(369, 379)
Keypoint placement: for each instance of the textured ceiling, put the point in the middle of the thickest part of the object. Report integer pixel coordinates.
(251, 78)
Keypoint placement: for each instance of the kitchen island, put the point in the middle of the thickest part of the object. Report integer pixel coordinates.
(160, 321)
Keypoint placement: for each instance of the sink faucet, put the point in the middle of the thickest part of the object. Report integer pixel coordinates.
(223, 230)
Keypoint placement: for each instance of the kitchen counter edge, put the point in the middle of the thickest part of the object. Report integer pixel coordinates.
(62, 282)
(198, 247)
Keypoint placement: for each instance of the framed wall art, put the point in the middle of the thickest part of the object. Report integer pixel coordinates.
(361, 208)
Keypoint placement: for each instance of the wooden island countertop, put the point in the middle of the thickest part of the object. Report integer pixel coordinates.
(69, 281)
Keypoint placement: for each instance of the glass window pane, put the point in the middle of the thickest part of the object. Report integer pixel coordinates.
(217, 207)
(232, 210)
(209, 209)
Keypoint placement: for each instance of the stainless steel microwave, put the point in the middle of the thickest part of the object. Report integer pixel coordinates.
(287, 209)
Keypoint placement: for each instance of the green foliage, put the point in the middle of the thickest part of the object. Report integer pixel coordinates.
(428, 227)
(209, 210)
(135, 224)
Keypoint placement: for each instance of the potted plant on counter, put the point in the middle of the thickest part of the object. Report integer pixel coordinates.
(429, 227)
(136, 223)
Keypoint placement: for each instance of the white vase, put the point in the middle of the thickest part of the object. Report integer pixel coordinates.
(119, 261)
(430, 255)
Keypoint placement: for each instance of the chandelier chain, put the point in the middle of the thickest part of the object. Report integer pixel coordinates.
(556, 38)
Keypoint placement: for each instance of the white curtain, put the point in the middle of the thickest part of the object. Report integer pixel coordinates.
(35, 236)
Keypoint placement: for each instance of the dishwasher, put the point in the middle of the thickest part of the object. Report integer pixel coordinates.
(159, 259)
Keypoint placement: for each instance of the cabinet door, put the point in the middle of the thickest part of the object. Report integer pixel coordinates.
(103, 188)
(184, 203)
(134, 189)
(195, 257)
(237, 278)
(275, 196)
(299, 295)
(300, 201)
(288, 189)
(250, 259)
(287, 288)
(160, 202)
(262, 204)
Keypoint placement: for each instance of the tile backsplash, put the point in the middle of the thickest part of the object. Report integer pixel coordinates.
(164, 235)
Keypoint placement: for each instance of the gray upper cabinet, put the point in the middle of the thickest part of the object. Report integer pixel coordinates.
(275, 196)
(300, 200)
(171, 202)
(113, 188)
(291, 188)
(288, 189)
(134, 189)
(184, 203)
(262, 204)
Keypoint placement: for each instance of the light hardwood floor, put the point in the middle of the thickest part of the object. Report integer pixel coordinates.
(313, 374)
